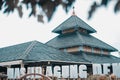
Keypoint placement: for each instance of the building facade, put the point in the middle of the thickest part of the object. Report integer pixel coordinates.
(73, 46)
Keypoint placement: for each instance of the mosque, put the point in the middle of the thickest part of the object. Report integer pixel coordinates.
(73, 46)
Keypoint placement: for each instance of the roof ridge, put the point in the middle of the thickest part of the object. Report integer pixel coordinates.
(104, 43)
(26, 52)
(61, 24)
(86, 23)
(75, 19)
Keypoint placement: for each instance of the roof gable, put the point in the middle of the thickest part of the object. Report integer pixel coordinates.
(14, 52)
(73, 22)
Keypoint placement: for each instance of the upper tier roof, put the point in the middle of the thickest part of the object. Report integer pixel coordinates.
(77, 39)
(73, 22)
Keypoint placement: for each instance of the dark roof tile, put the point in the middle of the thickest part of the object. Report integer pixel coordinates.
(77, 39)
(100, 58)
(35, 51)
(73, 22)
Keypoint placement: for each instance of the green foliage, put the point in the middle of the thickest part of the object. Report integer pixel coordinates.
(104, 3)
(41, 8)
(46, 7)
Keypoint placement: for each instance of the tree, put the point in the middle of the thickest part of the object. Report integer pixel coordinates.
(48, 7)
(104, 3)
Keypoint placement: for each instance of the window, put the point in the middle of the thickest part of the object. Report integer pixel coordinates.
(87, 48)
(97, 50)
(73, 49)
(68, 31)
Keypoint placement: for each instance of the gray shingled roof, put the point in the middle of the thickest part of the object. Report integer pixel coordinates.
(73, 22)
(36, 51)
(100, 58)
(77, 39)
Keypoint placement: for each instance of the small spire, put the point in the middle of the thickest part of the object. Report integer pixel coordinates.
(73, 11)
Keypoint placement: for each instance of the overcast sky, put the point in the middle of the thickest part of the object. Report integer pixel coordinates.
(15, 30)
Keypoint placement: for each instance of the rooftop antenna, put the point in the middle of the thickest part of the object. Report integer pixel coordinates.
(73, 10)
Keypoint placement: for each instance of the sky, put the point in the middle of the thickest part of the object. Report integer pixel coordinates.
(15, 30)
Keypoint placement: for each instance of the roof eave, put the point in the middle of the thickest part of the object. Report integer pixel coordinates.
(115, 50)
(93, 31)
(58, 61)
(56, 32)
(59, 31)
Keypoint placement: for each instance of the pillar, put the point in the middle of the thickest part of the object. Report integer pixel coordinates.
(22, 70)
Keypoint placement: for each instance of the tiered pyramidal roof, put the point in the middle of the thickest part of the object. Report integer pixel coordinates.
(74, 37)
(75, 32)
(73, 22)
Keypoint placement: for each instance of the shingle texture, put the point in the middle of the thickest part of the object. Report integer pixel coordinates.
(73, 22)
(100, 58)
(77, 39)
(36, 51)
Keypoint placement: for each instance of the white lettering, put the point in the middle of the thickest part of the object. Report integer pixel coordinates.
(49, 71)
(10, 73)
(82, 71)
(73, 71)
(57, 71)
(116, 69)
(97, 69)
(39, 71)
(65, 71)
(17, 73)
(105, 68)
(22, 71)
(29, 71)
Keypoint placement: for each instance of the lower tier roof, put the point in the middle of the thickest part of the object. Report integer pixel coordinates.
(36, 52)
(100, 58)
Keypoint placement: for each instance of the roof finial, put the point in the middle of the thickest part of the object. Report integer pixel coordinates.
(73, 11)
